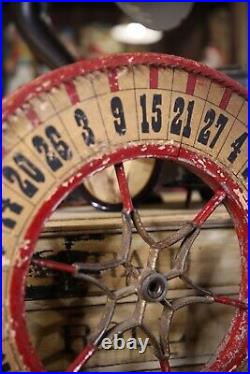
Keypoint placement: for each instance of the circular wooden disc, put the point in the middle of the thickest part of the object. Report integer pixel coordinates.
(80, 114)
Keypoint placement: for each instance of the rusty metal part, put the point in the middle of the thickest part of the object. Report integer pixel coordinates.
(153, 287)
(123, 252)
(234, 348)
(148, 284)
(181, 259)
(167, 316)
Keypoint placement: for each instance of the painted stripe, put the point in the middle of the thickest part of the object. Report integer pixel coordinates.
(153, 77)
(225, 98)
(32, 116)
(72, 92)
(113, 80)
(191, 83)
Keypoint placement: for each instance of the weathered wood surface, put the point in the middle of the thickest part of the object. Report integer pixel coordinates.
(195, 334)
(88, 220)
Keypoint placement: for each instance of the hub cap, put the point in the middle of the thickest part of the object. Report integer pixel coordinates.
(154, 287)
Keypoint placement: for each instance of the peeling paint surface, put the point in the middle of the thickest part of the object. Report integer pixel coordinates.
(233, 349)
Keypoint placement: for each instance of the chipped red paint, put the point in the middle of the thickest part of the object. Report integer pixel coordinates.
(191, 83)
(54, 265)
(153, 77)
(209, 207)
(229, 301)
(113, 80)
(72, 92)
(164, 365)
(123, 187)
(233, 349)
(82, 358)
(32, 116)
(225, 99)
(57, 77)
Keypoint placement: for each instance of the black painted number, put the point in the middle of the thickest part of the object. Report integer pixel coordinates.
(54, 160)
(156, 120)
(9, 206)
(237, 145)
(205, 132)
(118, 113)
(26, 185)
(58, 144)
(82, 121)
(245, 173)
(177, 122)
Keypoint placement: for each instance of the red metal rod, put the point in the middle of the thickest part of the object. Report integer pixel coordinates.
(54, 265)
(123, 186)
(81, 359)
(228, 301)
(209, 207)
(164, 364)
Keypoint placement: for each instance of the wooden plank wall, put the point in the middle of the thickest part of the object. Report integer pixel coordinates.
(60, 327)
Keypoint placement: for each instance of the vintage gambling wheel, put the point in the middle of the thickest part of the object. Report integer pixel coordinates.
(85, 117)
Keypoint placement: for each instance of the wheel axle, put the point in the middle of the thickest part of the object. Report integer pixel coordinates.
(154, 287)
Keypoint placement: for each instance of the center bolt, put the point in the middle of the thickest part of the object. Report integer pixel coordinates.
(154, 287)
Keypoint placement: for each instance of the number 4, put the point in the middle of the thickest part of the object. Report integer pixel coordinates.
(237, 145)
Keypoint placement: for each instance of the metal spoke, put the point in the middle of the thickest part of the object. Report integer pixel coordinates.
(139, 311)
(188, 300)
(124, 292)
(164, 364)
(96, 268)
(122, 327)
(97, 283)
(175, 237)
(229, 301)
(102, 331)
(209, 208)
(82, 358)
(95, 338)
(156, 345)
(152, 258)
(123, 187)
(166, 319)
(198, 221)
(165, 243)
(180, 261)
(203, 291)
(187, 234)
(141, 229)
(190, 232)
(123, 253)
(74, 270)
(155, 246)
(55, 265)
(165, 323)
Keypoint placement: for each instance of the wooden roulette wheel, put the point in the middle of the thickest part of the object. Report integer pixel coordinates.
(80, 119)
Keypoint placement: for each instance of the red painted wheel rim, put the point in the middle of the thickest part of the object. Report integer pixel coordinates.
(234, 346)
(65, 74)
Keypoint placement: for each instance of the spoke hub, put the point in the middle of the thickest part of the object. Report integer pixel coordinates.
(153, 287)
